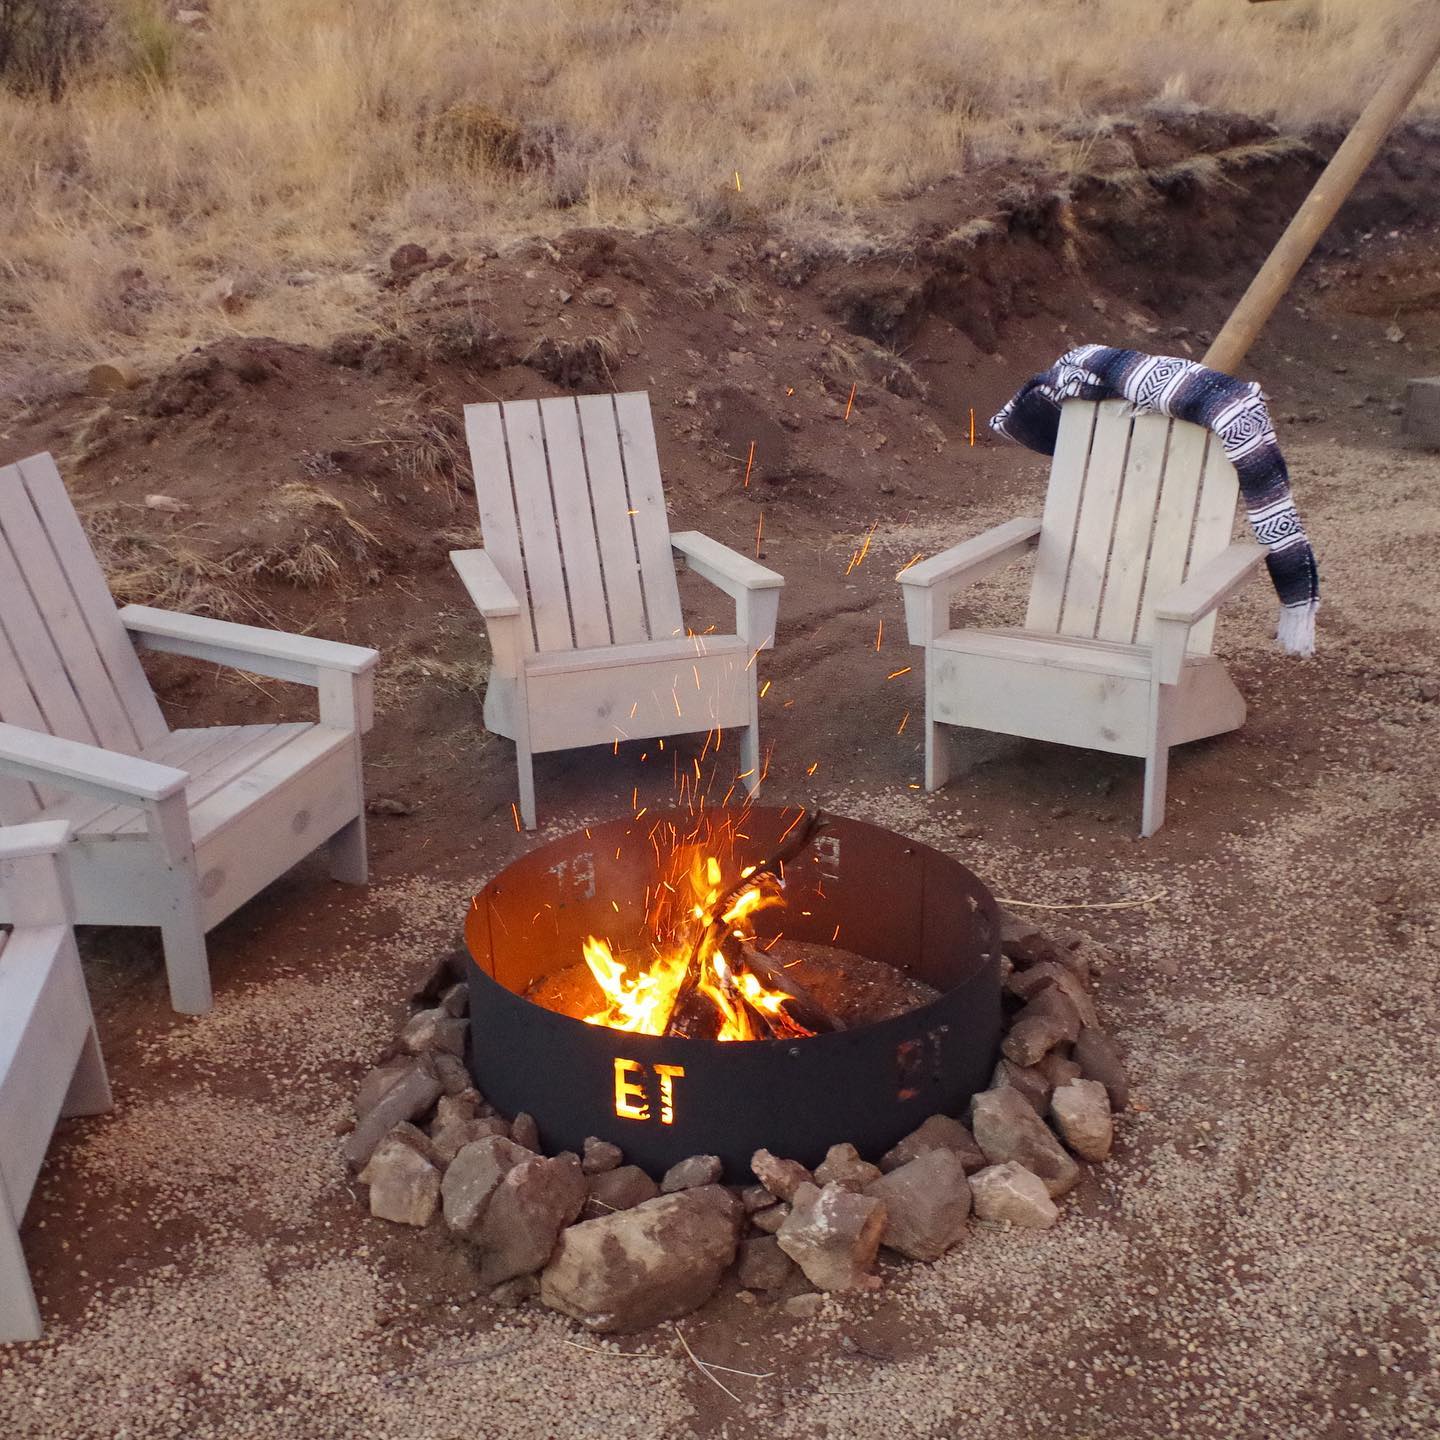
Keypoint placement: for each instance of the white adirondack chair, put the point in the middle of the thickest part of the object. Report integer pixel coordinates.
(50, 1063)
(171, 828)
(1133, 557)
(577, 587)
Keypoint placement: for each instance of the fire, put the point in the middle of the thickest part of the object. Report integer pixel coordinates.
(697, 929)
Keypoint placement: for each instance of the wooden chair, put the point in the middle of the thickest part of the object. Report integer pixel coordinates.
(171, 828)
(50, 1063)
(1133, 557)
(577, 587)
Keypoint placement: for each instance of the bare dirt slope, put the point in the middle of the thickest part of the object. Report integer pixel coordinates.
(1260, 1260)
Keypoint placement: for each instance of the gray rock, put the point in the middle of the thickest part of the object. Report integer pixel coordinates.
(927, 1205)
(688, 1174)
(450, 1141)
(435, 1030)
(454, 1077)
(939, 1132)
(631, 1270)
(404, 1184)
(722, 1199)
(473, 1177)
(1027, 984)
(1058, 1068)
(1099, 1058)
(763, 1264)
(833, 1236)
(455, 1109)
(531, 1205)
(1047, 1021)
(756, 1197)
(1012, 1193)
(771, 1219)
(511, 1294)
(842, 1165)
(456, 1000)
(409, 1098)
(621, 1189)
(780, 1177)
(1028, 1080)
(805, 1307)
(600, 1155)
(1006, 1128)
(1081, 1111)
(524, 1131)
(601, 295)
(378, 1083)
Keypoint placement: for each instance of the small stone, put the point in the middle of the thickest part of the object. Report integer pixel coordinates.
(833, 1236)
(939, 1132)
(456, 1109)
(532, 1204)
(756, 1197)
(408, 257)
(454, 1077)
(805, 1307)
(599, 1156)
(1047, 1021)
(409, 1098)
(620, 1189)
(842, 1165)
(601, 295)
(1006, 1128)
(927, 1205)
(435, 1030)
(404, 1183)
(112, 375)
(770, 1220)
(513, 1293)
(473, 1177)
(1012, 1193)
(633, 1269)
(1058, 1068)
(190, 18)
(456, 1000)
(780, 1177)
(1099, 1058)
(1394, 334)
(390, 805)
(1027, 1080)
(1081, 1111)
(689, 1174)
(763, 1264)
(524, 1131)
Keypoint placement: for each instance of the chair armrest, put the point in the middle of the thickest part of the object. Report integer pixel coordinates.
(488, 588)
(85, 769)
(38, 837)
(930, 585)
(754, 588)
(1213, 582)
(303, 659)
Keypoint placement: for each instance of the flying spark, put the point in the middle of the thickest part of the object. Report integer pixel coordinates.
(904, 721)
(879, 635)
(749, 465)
(851, 401)
(895, 674)
(759, 533)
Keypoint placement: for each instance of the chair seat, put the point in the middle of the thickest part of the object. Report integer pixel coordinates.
(231, 767)
(1037, 647)
(643, 652)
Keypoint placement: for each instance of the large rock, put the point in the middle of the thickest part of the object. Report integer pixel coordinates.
(1058, 1068)
(404, 1183)
(691, 1173)
(379, 1082)
(842, 1165)
(1012, 1193)
(1006, 1128)
(833, 1236)
(435, 1030)
(927, 1205)
(620, 1189)
(1081, 1111)
(600, 1155)
(763, 1264)
(635, 1268)
(780, 1177)
(531, 1205)
(1099, 1058)
(408, 1098)
(1047, 1021)
(1029, 1080)
(939, 1132)
(1027, 984)
(524, 1131)
(452, 1139)
(473, 1177)
(454, 1077)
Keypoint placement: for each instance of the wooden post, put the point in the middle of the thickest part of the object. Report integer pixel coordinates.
(1422, 50)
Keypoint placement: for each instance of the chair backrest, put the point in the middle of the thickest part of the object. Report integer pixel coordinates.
(1134, 503)
(67, 667)
(573, 515)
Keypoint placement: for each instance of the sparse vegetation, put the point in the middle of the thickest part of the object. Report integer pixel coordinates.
(281, 136)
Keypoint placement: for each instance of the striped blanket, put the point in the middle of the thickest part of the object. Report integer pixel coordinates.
(1233, 409)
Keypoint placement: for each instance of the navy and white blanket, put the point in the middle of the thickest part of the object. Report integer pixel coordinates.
(1233, 409)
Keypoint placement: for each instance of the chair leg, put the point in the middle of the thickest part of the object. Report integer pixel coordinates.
(89, 1092)
(186, 962)
(19, 1314)
(937, 755)
(750, 756)
(525, 764)
(349, 862)
(1157, 773)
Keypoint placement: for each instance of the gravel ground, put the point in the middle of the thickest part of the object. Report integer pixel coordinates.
(1259, 1259)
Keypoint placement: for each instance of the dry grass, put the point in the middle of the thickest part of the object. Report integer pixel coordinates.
(311, 135)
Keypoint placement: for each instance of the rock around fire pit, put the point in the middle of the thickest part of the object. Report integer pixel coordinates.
(619, 1250)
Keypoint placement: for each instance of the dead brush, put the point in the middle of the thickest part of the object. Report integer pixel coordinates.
(426, 447)
(722, 290)
(331, 534)
(575, 362)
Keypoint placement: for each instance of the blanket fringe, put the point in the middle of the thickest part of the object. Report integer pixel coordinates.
(1296, 631)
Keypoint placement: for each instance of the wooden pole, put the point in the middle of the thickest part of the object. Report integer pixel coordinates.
(1422, 50)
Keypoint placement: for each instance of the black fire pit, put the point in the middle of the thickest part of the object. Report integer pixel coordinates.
(661, 1099)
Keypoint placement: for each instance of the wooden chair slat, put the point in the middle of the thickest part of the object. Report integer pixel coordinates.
(496, 498)
(1135, 519)
(652, 524)
(1062, 508)
(575, 522)
(87, 583)
(535, 509)
(1174, 519)
(614, 525)
(1096, 524)
(1214, 526)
